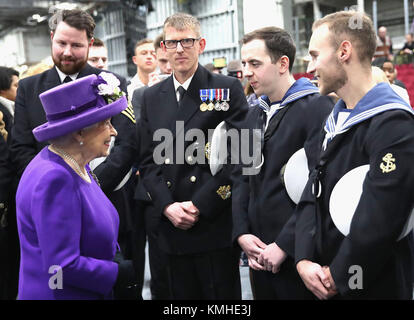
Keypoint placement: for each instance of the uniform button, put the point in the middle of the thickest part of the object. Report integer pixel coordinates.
(168, 184)
(193, 179)
(1, 205)
(167, 161)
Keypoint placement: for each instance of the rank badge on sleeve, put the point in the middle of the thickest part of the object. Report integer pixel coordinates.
(388, 163)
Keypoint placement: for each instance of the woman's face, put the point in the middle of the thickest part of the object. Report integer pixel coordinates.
(97, 140)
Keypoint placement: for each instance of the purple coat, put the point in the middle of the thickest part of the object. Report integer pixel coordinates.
(67, 222)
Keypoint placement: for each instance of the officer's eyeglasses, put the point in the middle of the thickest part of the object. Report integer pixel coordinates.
(185, 43)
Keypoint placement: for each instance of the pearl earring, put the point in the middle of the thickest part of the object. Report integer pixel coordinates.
(81, 143)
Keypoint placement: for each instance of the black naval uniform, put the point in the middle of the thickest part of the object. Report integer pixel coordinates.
(378, 132)
(147, 221)
(202, 263)
(268, 206)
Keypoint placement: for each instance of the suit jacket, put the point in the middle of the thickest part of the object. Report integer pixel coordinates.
(172, 182)
(29, 114)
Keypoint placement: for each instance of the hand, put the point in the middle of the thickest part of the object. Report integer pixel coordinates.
(178, 216)
(252, 246)
(190, 208)
(314, 278)
(254, 264)
(272, 257)
(331, 285)
(126, 284)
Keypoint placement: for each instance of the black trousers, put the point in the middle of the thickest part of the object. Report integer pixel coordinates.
(3, 263)
(157, 257)
(206, 276)
(284, 285)
(13, 252)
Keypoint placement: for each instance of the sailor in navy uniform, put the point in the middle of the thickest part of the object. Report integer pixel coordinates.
(370, 125)
(261, 205)
(380, 125)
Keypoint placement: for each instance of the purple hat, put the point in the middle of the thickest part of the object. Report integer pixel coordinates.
(78, 104)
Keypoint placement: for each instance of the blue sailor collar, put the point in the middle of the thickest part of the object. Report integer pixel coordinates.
(379, 99)
(300, 88)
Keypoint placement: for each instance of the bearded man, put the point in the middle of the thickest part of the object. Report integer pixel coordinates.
(71, 38)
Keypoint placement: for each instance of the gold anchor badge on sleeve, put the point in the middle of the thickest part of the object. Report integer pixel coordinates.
(389, 164)
(224, 192)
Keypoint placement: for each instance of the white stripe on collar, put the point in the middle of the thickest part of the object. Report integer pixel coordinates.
(294, 96)
(333, 130)
(298, 95)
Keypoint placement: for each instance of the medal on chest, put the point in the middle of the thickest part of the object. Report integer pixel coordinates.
(203, 97)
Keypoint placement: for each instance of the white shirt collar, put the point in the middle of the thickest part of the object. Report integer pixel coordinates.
(62, 75)
(136, 81)
(185, 85)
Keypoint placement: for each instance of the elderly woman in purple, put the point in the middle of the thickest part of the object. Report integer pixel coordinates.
(67, 227)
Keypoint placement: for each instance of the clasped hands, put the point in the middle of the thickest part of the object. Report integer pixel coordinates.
(183, 215)
(317, 279)
(262, 257)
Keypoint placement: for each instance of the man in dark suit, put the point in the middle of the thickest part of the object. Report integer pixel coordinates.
(194, 206)
(145, 217)
(71, 38)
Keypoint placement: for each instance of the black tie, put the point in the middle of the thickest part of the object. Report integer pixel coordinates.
(181, 92)
(67, 79)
